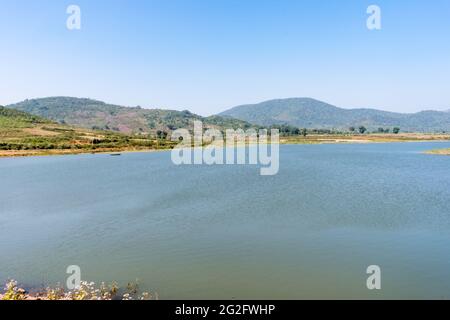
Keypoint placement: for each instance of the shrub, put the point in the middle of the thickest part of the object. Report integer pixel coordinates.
(12, 292)
(86, 291)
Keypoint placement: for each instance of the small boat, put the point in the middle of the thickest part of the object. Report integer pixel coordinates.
(115, 154)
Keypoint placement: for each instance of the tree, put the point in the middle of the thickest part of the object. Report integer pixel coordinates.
(362, 129)
(304, 132)
(161, 134)
(381, 130)
(396, 130)
(352, 129)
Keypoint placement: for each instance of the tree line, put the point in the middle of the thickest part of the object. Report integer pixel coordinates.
(292, 131)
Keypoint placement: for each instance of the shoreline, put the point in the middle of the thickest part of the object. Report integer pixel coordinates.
(54, 153)
(84, 291)
(310, 140)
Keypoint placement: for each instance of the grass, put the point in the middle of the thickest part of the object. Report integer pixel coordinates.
(54, 139)
(22, 134)
(19, 138)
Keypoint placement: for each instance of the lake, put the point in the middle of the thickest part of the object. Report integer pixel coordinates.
(222, 232)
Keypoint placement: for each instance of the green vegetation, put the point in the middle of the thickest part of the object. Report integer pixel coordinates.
(10, 118)
(383, 130)
(86, 291)
(97, 115)
(309, 113)
(25, 134)
(343, 137)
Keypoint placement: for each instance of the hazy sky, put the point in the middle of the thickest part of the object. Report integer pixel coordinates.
(208, 55)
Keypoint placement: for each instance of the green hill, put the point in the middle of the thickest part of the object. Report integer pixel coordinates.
(93, 114)
(10, 118)
(314, 114)
(298, 112)
(23, 134)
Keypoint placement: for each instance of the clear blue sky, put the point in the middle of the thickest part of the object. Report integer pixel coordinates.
(208, 55)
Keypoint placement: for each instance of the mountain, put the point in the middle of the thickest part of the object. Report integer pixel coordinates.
(313, 114)
(93, 114)
(298, 112)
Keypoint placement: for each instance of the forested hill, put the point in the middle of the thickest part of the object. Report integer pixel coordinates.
(313, 114)
(93, 114)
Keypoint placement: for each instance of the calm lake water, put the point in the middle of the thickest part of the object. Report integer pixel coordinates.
(227, 232)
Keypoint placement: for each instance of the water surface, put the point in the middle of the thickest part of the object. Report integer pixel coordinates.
(227, 232)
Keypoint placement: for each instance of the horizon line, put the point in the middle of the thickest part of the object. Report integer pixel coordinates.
(230, 108)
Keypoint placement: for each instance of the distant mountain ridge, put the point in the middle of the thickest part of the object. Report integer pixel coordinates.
(313, 114)
(299, 112)
(94, 114)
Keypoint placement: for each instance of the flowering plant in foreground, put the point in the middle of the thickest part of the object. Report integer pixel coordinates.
(12, 292)
(86, 291)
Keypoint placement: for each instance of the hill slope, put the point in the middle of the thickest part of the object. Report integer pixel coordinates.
(93, 114)
(10, 118)
(310, 113)
(24, 134)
